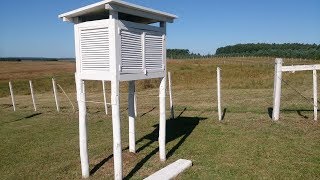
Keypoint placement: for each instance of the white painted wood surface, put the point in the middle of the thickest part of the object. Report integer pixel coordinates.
(99, 56)
(171, 171)
(219, 93)
(170, 96)
(162, 123)
(277, 85)
(32, 96)
(277, 89)
(315, 95)
(115, 56)
(131, 112)
(55, 94)
(300, 68)
(135, 104)
(12, 96)
(83, 140)
(104, 97)
(120, 6)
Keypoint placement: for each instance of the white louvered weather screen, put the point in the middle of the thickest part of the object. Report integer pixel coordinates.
(131, 51)
(153, 48)
(94, 47)
(134, 44)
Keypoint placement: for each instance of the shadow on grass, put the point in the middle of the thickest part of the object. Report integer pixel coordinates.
(148, 112)
(180, 127)
(270, 111)
(224, 114)
(299, 112)
(100, 164)
(26, 117)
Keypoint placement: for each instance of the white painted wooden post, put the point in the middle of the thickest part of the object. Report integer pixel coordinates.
(83, 140)
(135, 103)
(162, 123)
(219, 93)
(117, 151)
(131, 112)
(315, 95)
(54, 86)
(115, 57)
(170, 95)
(277, 89)
(32, 96)
(12, 96)
(104, 96)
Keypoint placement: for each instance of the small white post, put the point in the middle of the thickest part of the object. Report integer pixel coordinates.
(315, 95)
(32, 96)
(104, 96)
(12, 96)
(162, 123)
(219, 93)
(277, 89)
(170, 95)
(83, 140)
(54, 86)
(131, 112)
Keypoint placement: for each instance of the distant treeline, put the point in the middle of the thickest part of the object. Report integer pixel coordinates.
(35, 59)
(182, 54)
(287, 50)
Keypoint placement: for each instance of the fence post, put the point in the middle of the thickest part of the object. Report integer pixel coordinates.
(170, 95)
(219, 93)
(104, 96)
(54, 86)
(12, 96)
(131, 112)
(277, 89)
(315, 95)
(32, 96)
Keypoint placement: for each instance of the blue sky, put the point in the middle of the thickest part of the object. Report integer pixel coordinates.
(30, 28)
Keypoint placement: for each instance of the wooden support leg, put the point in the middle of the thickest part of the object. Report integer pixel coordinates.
(131, 112)
(83, 142)
(162, 123)
(117, 151)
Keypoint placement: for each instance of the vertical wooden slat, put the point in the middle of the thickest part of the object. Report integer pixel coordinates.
(54, 86)
(219, 93)
(32, 96)
(12, 96)
(315, 95)
(277, 89)
(170, 96)
(104, 97)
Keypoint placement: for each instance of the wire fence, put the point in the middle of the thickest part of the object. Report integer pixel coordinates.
(247, 87)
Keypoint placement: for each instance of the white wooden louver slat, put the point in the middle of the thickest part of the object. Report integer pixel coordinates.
(131, 51)
(154, 54)
(94, 47)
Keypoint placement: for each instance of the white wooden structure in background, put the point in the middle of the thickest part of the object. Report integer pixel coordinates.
(277, 85)
(114, 42)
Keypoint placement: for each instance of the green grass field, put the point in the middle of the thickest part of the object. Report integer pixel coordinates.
(245, 145)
